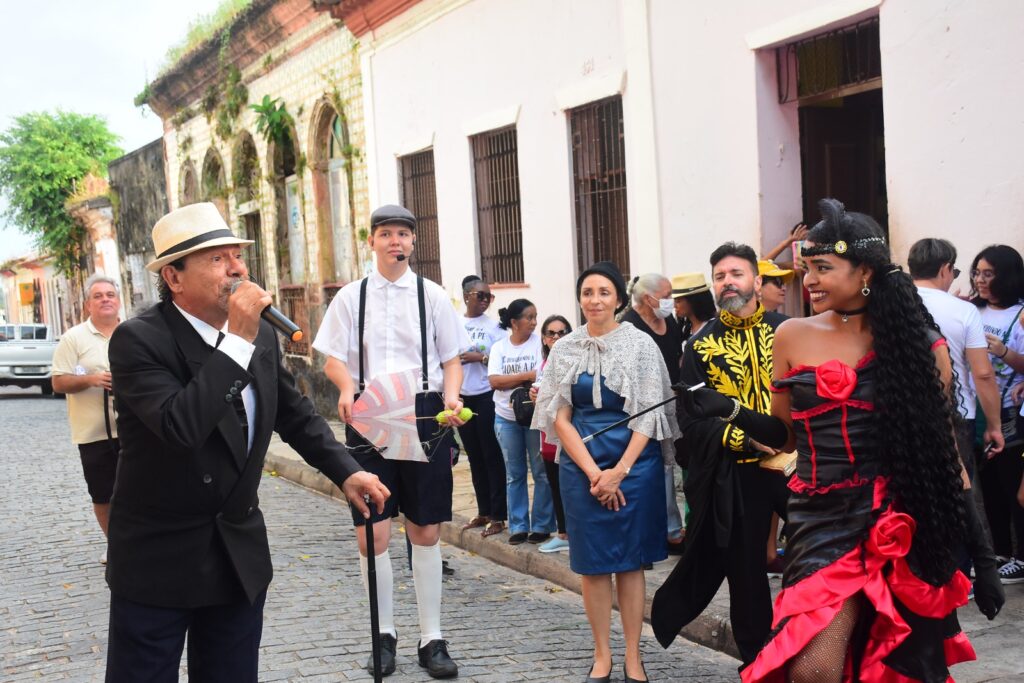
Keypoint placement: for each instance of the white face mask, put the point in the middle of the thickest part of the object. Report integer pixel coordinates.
(666, 307)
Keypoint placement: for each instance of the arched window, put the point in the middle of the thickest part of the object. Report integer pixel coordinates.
(189, 190)
(245, 175)
(214, 188)
(332, 186)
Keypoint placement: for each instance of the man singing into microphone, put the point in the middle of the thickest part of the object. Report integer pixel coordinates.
(199, 386)
(377, 326)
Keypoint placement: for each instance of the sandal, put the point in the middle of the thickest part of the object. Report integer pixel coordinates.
(477, 522)
(493, 528)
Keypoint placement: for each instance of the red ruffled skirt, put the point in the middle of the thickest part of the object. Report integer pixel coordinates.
(876, 568)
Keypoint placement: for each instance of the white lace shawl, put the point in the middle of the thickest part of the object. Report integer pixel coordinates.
(632, 367)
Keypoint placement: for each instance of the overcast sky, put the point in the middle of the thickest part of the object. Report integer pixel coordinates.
(90, 58)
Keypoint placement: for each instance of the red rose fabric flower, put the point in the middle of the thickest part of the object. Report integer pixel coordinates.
(892, 535)
(835, 380)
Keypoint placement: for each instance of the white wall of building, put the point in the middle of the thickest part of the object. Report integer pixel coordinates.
(711, 154)
(446, 70)
(729, 154)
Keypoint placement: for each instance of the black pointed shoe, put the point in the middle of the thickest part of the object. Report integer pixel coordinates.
(599, 679)
(388, 644)
(434, 658)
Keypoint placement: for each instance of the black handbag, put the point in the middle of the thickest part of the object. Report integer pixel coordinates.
(522, 406)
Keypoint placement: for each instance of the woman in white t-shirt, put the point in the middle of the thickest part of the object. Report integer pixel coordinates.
(997, 280)
(513, 363)
(486, 464)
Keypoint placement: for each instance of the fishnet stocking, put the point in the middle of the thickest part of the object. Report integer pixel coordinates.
(823, 659)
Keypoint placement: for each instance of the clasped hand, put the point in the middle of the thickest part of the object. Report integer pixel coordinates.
(605, 487)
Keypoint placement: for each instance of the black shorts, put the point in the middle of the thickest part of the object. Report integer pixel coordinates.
(422, 491)
(99, 463)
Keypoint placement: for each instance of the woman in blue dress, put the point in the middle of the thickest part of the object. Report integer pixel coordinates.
(612, 486)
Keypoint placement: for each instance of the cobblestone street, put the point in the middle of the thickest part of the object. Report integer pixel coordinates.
(503, 626)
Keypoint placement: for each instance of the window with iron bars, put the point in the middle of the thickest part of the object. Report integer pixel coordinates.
(599, 183)
(419, 195)
(496, 170)
(295, 305)
(833, 64)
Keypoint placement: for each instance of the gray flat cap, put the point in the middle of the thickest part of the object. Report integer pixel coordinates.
(392, 213)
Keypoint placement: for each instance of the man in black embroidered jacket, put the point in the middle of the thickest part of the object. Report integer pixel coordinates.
(199, 387)
(731, 497)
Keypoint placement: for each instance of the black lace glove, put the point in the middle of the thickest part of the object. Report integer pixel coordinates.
(703, 403)
(988, 589)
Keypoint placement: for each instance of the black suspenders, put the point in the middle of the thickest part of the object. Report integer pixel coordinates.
(421, 297)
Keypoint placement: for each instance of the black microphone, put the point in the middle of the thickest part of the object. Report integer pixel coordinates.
(276, 318)
(400, 258)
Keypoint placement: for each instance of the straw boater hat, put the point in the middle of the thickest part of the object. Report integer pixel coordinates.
(188, 229)
(767, 268)
(685, 284)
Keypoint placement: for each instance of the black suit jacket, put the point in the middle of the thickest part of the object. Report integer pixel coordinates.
(185, 525)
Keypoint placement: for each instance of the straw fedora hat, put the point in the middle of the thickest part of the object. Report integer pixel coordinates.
(685, 284)
(187, 229)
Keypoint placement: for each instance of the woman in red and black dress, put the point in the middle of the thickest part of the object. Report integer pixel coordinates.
(878, 509)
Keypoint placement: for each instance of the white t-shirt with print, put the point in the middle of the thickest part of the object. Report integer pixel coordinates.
(996, 321)
(960, 324)
(483, 333)
(509, 359)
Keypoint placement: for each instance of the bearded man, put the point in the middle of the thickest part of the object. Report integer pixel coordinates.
(731, 497)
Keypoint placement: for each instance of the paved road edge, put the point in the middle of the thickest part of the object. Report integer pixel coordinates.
(710, 630)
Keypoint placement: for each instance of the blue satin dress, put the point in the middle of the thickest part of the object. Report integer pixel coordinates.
(602, 541)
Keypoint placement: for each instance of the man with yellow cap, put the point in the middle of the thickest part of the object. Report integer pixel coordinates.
(199, 387)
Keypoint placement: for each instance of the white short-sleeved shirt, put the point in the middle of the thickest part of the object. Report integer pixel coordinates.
(960, 324)
(997, 322)
(510, 359)
(483, 332)
(391, 333)
(82, 350)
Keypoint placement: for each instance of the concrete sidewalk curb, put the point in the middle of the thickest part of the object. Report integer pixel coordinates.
(709, 629)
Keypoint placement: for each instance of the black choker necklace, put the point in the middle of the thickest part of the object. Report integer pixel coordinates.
(846, 314)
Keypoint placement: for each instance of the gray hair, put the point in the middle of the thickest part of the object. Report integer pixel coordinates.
(647, 283)
(97, 278)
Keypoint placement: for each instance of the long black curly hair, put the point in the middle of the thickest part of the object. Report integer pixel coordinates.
(912, 409)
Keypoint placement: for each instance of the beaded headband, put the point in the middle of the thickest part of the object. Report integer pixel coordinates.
(839, 247)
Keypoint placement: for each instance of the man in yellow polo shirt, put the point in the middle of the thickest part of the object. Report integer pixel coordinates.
(81, 370)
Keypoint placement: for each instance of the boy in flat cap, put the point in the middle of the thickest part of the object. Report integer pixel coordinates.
(390, 321)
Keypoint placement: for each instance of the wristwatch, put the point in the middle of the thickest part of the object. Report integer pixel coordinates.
(485, 359)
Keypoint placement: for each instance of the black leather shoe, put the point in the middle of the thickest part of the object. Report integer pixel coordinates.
(388, 644)
(537, 537)
(434, 657)
(636, 680)
(599, 679)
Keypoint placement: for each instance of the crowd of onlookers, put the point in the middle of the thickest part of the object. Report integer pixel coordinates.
(984, 328)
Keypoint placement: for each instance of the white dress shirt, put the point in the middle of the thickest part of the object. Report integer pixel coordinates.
(391, 330)
(238, 350)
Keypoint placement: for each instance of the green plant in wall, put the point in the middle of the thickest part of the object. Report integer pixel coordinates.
(273, 121)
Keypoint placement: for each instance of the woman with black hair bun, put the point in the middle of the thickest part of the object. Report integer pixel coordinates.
(486, 464)
(878, 508)
(514, 363)
(997, 289)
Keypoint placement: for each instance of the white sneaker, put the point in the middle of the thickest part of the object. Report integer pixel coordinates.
(103, 557)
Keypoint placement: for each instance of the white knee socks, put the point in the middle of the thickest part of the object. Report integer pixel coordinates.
(426, 576)
(385, 590)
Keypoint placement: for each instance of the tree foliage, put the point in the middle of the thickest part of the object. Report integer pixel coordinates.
(42, 156)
